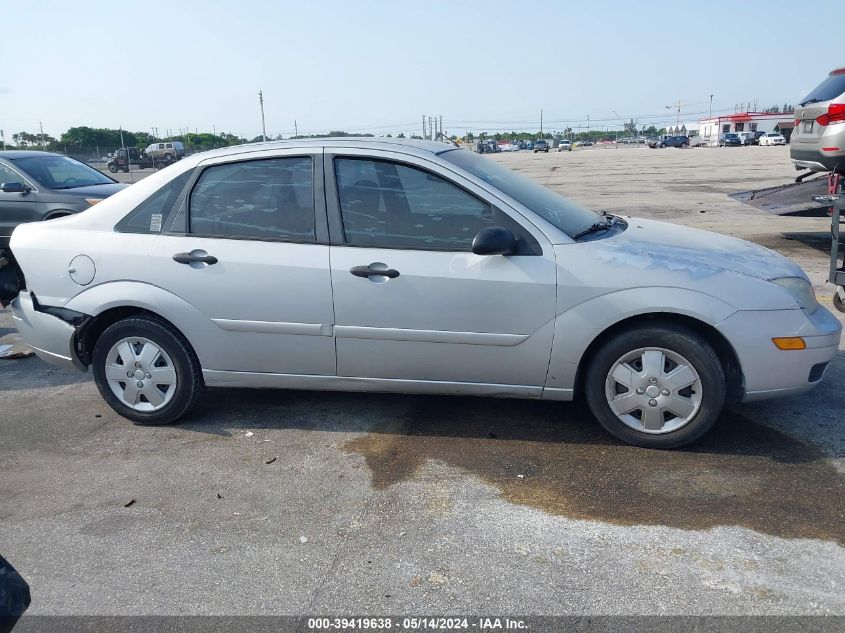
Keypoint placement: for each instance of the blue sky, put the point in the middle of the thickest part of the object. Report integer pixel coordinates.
(378, 66)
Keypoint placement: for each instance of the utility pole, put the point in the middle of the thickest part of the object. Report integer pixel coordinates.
(263, 127)
(710, 115)
(441, 127)
(678, 107)
(541, 122)
(295, 128)
(423, 121)
(3, 136)
(42, 134)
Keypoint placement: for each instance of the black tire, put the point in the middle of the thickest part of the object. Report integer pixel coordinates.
(675, 338)
(189, 382)
(113, 168)
(684, 145)
(662, 145)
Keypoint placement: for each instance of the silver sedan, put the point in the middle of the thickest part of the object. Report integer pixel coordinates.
(413, 267)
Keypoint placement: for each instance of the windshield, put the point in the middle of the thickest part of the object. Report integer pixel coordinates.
(61, 172)
(552, 207)
(829, 89)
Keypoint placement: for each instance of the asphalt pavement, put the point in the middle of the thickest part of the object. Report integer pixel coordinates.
(277, 502)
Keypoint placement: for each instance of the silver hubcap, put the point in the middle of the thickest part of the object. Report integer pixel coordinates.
(653, 390)
(140, 374)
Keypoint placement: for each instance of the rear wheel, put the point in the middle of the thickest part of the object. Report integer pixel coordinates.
(146, 371)
(657, 387)
(113, 168)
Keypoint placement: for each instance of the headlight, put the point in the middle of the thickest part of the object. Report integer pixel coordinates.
(801, 290)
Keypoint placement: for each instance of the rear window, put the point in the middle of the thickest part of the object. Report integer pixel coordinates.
(829, 89)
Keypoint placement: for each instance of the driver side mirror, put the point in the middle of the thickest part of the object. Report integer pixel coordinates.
(14, 187)
(494, 240)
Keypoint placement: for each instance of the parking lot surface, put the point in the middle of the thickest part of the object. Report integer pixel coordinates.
(291, 502)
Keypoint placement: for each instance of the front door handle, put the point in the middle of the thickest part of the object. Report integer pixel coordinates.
(195, 256)
(375, 269)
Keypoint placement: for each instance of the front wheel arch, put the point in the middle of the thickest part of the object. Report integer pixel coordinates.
(59, 213)
(725, 351)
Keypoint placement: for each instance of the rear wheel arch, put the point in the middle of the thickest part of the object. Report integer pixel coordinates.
(724, 349)
(89, 333)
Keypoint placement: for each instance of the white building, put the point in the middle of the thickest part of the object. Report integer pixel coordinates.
(711, 129)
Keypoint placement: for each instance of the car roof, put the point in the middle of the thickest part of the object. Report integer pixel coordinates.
(413, 146)
(12, 154)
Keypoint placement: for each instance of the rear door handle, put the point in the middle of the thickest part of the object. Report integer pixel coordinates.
(380, 270)
(196, 256)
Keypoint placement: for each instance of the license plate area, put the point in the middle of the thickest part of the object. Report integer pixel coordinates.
(808, 127)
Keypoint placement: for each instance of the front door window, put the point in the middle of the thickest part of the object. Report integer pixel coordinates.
(390, 205)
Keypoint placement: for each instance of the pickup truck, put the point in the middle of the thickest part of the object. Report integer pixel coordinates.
(129, 155)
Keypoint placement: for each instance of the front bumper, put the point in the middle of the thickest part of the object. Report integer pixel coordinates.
(770, 372)
(51, 338)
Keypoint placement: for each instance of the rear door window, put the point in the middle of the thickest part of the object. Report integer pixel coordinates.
(270, 199)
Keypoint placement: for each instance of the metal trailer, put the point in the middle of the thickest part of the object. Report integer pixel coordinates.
(836, 276)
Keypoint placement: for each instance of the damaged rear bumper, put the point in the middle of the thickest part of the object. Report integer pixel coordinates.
(52, 339)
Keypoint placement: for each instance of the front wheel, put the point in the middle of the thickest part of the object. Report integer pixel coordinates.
(146, 371)
(113, 168)
(656, 387)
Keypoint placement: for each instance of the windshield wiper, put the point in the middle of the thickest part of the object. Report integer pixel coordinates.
(604, 225)
(813, 100)
(87, 184)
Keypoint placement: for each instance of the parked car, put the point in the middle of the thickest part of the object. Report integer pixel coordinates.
(541, 145)
(818, 140)
(38, 186)
(745, 137)
(412, 267)
(584, 143)
(772, 138)
(730, 140)
(670, 141)
(127, 156)
(564, 145)
(755, 140)
(164, 153)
